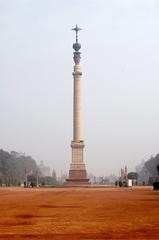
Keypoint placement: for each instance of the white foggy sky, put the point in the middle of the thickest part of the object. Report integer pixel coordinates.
(120, 57)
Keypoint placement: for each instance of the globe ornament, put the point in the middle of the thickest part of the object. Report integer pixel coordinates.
(76, 46)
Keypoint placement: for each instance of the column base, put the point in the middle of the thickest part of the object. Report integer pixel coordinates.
(77, 182)
(77, 178)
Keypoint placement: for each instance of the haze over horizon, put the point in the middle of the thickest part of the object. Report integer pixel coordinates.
(120, 80)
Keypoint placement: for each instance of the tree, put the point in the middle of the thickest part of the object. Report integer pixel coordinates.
(152, 164)
(12, 167)
(147, 170)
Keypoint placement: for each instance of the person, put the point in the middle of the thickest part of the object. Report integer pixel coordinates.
(32, 184)
(120, 184)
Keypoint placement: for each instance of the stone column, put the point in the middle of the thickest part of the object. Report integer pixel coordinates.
(77, 172)
(77, 108)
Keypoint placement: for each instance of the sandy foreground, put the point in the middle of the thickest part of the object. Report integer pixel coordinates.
(79, 213)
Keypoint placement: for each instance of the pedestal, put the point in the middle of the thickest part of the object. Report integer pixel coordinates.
(77, 172)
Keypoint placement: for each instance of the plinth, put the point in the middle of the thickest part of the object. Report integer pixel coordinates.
(77, 172)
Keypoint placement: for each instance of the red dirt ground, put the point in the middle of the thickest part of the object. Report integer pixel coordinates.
(79, 213)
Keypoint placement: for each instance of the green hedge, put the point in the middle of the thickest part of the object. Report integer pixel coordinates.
(156, 185)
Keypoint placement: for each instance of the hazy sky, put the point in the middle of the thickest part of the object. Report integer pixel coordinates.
(120, 82)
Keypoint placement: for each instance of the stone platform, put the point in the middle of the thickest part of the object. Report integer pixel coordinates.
(77, 182)
(77, 177)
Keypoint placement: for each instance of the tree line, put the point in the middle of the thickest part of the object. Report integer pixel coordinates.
(14, 167)
(148, 171)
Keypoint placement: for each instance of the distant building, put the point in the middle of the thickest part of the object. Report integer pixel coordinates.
(44, 170)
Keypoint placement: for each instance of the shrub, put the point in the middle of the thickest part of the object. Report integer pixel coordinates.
(156, 185)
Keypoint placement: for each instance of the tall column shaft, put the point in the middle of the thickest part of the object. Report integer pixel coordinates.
(77, 108)
(77, 172)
